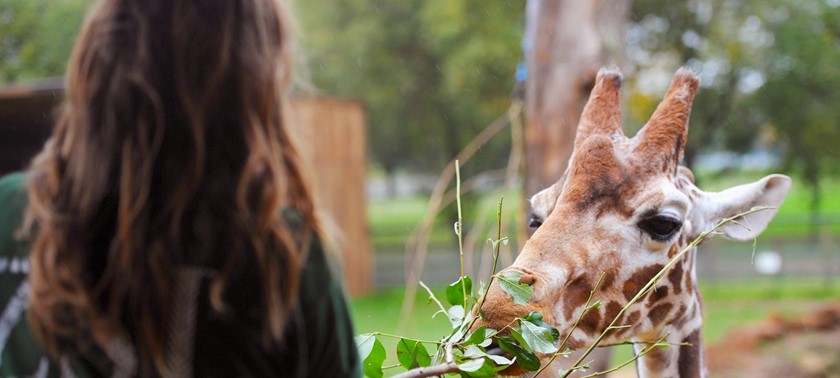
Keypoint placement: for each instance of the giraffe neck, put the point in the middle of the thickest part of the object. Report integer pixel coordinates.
(683, 361)
(684, 357)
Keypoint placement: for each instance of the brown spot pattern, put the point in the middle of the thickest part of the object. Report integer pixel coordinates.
(630, 320)
(674, 250)
(659, 313)
(689, 285)
(590, 321)
(656, 295)
(657, 361)
(675, 277)
(575, 295)
(610, 312)
(639, 279)
(689, 360)
(680, 314)
(608, 281)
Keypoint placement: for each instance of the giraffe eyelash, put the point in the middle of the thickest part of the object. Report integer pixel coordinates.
(661, 227)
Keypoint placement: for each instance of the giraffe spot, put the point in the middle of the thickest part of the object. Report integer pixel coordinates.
(634, 317)
(656, 295)
(658, 314)
(608, 281)
(688, 363)
(590, 321)
(630, 320)
(657, 360)
(610, 312)
(675, 277)
(575, 295)
(689, 286)
(674, 250)
(639, 279)
(679, 316)
(574, 343)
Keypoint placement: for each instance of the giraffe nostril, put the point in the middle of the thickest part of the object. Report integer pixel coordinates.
(527, 279)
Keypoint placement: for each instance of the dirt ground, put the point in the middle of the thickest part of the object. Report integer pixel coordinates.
(806, 347)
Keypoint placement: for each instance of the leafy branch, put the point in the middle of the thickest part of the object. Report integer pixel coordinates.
(465, 350)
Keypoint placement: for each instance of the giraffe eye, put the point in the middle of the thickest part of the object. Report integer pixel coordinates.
(534, 222)
(661, 227)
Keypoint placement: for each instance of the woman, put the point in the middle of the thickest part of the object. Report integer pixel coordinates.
(169, 227)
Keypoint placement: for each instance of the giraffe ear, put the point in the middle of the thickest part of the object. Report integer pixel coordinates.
(769, 192)
(542, 203)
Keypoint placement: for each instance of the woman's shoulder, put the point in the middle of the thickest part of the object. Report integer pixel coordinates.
(13, 184)
(12, 205)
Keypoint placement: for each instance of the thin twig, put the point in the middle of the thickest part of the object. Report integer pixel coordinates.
(631, 360)
(432, 297)
(406, 338)
(628, 342)
(496, 248)
(460, 232)
(435, 370)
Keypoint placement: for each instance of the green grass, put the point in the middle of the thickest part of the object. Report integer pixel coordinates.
(392, 220)
(726, 305)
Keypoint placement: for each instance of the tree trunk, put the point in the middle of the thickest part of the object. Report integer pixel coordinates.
(566, 42)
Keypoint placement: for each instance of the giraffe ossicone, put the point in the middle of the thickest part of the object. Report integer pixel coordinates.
(624, 208)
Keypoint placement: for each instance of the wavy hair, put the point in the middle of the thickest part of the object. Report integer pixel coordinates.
(170, 150)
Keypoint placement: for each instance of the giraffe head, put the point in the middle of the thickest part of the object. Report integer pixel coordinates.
(624, 208)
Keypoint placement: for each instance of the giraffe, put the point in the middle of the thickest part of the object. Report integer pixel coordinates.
(625, 207)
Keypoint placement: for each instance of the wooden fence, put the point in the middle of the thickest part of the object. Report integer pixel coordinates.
(331, 134)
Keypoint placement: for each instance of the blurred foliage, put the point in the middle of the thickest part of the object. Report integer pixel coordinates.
(432, 73)
(717, 39)
(802, 92)
(36, 37)
(769, 74)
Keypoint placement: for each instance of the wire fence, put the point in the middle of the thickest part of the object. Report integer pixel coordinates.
(791, 249)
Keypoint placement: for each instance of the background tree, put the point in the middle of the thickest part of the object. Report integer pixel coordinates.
(800, 96)
(566, 42)
(432, 73)
(718, 39)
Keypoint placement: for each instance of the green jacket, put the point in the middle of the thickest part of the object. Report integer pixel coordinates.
(318, 341)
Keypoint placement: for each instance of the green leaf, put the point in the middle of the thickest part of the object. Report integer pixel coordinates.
(520, 293)
(471, 365)
(412, 354)
(474, 352)
(372, 354)
(501, 360)
(455, 293)
(538, 338)
(537, 319)
(524, 358)
(476, 337)
(455, 315)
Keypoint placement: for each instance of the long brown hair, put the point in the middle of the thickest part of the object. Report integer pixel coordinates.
(170, 150)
